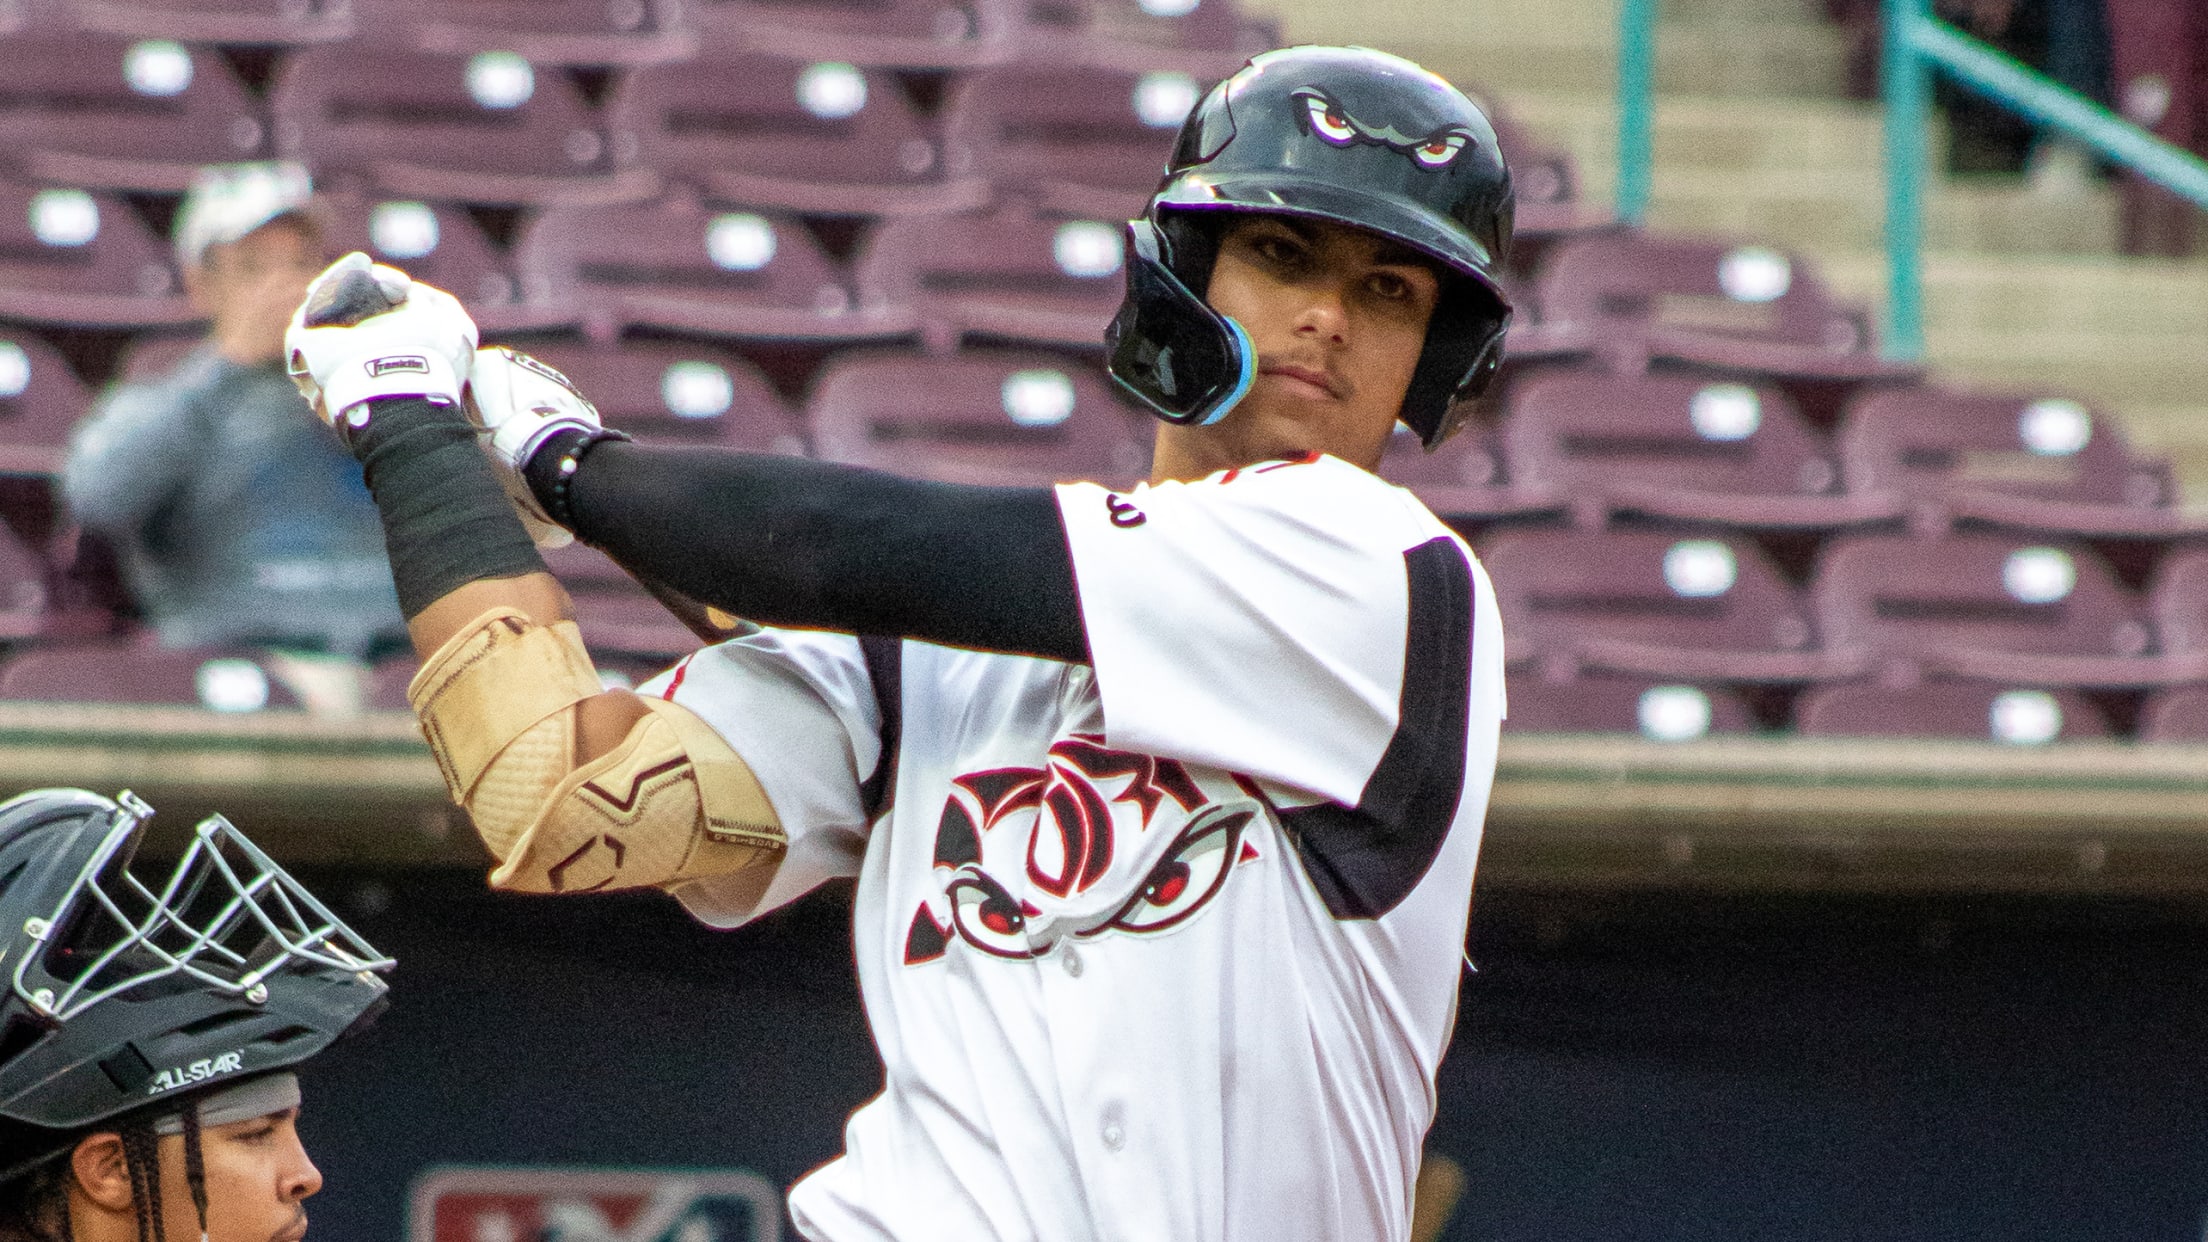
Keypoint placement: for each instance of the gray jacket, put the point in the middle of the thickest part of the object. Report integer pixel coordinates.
(239, 517)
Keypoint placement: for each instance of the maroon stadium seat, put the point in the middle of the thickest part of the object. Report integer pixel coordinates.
(991, 417)
(680, 392)
(2178, 602)
(263, 22)
(1007, 274)
(103, 111)
(824, 137)
(910, 34)
(488, 128)
(1086, 141)
(1208, 37)
(1679, 446)
(1686, 607)
(2042, 463)
(1991, 607)
(679, 264)
(1958, 709)
(1545, 186)
(26, 586)
(2179, 714)
(548, 32)
(436, 242)
(41, 400)
(1464, 479)
(136, 671)
(1662, 711)
(1633, 299)
(617, 616)
(83, 259)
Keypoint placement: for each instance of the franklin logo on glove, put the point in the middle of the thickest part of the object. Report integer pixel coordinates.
(386, 366)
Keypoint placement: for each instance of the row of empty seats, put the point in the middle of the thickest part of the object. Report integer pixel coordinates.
(136, 672)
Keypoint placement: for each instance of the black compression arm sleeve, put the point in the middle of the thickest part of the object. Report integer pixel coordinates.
(787, 541)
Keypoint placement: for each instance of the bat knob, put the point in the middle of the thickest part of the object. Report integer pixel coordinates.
(346, 301)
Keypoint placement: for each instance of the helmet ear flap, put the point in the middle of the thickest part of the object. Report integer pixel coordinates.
(1167, 348)
(1464, 350)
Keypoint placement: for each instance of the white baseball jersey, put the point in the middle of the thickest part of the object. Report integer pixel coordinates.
(1165, 946)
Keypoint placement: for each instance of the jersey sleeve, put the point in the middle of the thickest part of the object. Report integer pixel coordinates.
(1253, 621)
(800, 708)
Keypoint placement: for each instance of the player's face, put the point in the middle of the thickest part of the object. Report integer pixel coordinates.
(1338, 317)
(258, 1180)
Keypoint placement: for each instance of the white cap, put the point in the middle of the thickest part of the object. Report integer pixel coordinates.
(228, 201)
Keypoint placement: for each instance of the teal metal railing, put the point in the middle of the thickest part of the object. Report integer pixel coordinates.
(1917, 44)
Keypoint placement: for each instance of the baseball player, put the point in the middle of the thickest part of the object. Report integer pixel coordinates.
(149, 1032)
(1163, 804)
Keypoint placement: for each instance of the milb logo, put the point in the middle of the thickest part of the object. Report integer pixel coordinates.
(507, 1204)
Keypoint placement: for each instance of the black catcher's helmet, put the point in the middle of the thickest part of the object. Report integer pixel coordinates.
(116, 996)
(1344, 134)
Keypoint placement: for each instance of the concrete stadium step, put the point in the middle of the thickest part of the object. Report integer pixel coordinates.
(1514, 45)
(2105, 298)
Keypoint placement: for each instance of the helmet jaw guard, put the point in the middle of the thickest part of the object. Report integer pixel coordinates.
(1167, 348)
(1359, 138)
(120, 996)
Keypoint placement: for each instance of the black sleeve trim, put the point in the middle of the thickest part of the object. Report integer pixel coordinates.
(885, 669)
(1366, 859)
(789, 541)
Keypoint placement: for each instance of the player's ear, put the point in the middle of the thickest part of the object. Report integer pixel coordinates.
(100, 1171)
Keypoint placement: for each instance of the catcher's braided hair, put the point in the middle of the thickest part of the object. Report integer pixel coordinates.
(195, 1165)
(142, 1160)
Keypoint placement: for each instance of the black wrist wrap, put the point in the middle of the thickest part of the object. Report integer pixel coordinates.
(446, 520)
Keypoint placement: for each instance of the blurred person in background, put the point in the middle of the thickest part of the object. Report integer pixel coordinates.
(148, 1088)
(239, 517)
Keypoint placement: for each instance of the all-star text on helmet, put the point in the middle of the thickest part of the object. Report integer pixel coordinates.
(1347, 135)
(122, 998)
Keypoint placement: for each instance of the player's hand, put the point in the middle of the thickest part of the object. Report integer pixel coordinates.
(365, 331)
(519, 403)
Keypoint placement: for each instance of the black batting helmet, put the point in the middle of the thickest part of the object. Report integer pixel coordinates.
(1343, 134)
(123, 998)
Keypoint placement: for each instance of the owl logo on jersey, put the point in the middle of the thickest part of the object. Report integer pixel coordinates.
(1096, 841)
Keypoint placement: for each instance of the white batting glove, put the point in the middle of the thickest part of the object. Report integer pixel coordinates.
(519, 403)
(366, 331)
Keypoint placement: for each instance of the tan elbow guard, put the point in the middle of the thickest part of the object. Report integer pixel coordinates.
(671, 802)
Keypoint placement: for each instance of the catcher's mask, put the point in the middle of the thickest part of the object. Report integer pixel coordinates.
(1347, 135)
(124, 998)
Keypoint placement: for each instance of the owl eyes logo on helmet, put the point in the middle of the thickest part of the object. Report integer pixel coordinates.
(1333, 123)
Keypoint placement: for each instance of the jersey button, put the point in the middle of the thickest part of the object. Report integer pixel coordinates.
(1114, 1130)
(1071, 960)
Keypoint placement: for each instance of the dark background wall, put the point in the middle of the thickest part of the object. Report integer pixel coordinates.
(1663, 1068)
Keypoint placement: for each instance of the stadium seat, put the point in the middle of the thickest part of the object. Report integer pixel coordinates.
(823, 137)
(1462, 481)
(903, 34)
(2040, 463)
(618, 617)
(1660, 711)
(990, 417)
(681, 265)
(1545, 186)
(1205, 37)
(2176, 715)
(1991, 607)
(547, 32)
(41, 400)
(83, 259)
(26, 589)
(677, 392)
(1677, 446)
(1677, 607)
(108, 112)
(2017, 716)
(136, 671)
(436, 242)
(1084, 141)
(276, 23)
(1633, 299)
(1008, 274)
(487, 128)
(2178, 603)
